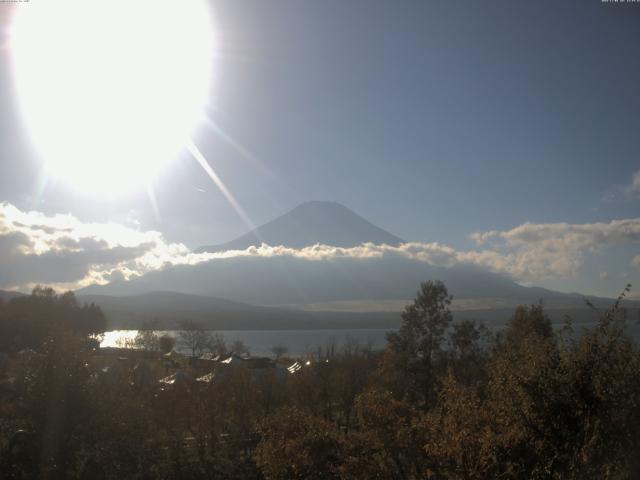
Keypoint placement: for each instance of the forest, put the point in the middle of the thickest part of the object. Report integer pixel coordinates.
(444, 399)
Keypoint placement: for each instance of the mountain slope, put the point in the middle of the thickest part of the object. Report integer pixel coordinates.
(166, 310)
(6, 295)
(314, 222)
(324, 285)
(284, 280)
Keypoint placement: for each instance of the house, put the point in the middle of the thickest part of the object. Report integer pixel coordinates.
(179, 379)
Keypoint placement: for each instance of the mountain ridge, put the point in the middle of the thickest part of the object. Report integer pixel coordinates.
(276, 281)
(310, 223)
(167, 310)
(6, 295)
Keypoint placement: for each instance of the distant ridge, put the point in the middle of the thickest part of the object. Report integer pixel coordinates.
(6, 295)
(284, 291)
(328, 223)
(166, 310)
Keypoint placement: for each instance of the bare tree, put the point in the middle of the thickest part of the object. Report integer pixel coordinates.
(279, 351)
(195, 338)
(239, 347)
(146, 340)
(219, 344)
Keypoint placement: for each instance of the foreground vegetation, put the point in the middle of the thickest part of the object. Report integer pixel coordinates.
(444, 400)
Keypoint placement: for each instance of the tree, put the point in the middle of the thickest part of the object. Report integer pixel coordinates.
(239, 347)
(567, 409)
(460, 441)
(468, 344)
(527, 322)
(27, 321)
(279, 351)
(219, 344)
(166, 343)
(195, 338)
(296, 444)
(388, 435)
(467, 337)
(56, 401)
(413, 350)
(146, 340)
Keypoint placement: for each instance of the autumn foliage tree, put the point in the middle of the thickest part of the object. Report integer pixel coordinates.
(26, 321)
(296, 444)
(413, 352)
(444, 400)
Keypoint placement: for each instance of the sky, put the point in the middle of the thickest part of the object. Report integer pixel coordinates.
(486, 127)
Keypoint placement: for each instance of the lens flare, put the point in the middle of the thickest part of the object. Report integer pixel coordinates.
(111, 91)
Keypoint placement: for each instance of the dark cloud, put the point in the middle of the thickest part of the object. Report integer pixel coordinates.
(62, 266)
(11, 243)
(35, 249)
(87, 243)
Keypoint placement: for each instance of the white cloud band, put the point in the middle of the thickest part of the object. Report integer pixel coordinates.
(63, 251)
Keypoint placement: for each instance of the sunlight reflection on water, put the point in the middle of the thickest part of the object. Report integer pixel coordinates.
(260, 342)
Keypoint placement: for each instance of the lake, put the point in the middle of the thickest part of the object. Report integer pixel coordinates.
(260, 342)
(301, 342)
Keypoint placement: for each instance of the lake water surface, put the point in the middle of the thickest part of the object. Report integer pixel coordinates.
(260, 342)
(301, 342)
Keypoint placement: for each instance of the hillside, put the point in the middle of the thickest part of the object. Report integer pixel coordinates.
(280, 281)
(166, 310)
(6, 295)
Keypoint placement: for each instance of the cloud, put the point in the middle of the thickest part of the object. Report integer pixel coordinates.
(632, 191)
(64, 252)
(628, 191)
(558, 249)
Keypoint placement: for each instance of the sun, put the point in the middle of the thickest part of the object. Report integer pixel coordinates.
(111, 91)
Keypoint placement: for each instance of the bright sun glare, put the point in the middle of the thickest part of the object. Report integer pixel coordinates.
(111, 90)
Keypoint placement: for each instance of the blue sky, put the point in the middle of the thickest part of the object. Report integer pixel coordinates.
(432, 119)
